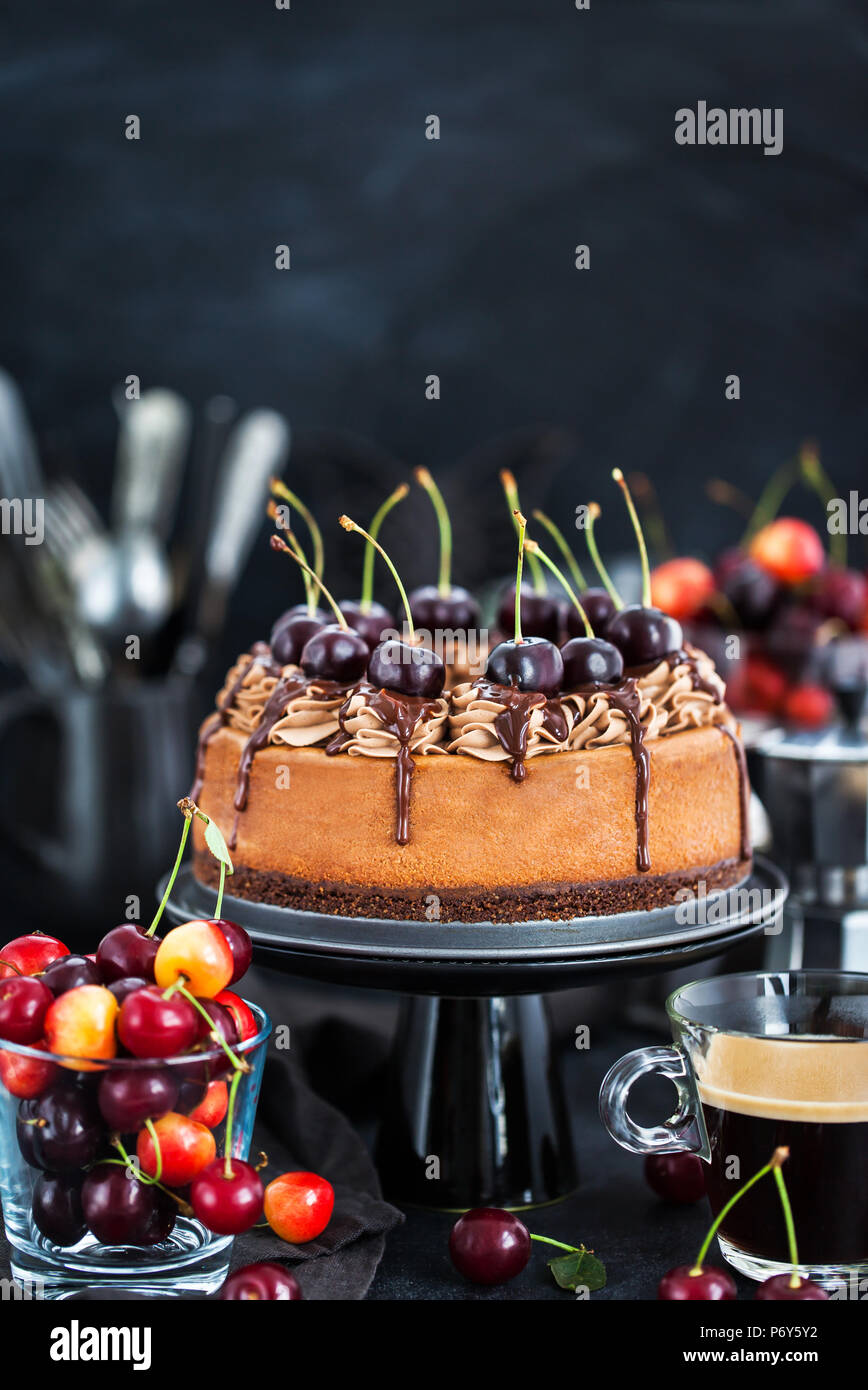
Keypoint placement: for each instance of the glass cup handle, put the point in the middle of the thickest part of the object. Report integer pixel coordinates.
(684, 1131)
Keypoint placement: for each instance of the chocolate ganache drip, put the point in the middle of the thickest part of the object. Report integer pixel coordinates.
(512, 724)
(400, 716)
(260, 656)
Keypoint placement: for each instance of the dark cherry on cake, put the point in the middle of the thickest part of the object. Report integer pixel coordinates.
(643, 634)
(403, 668)
(292, 632)
(442, 606)
(599, 608)
(587, 660)
(528, 663)
(364, 614)
(334, 652)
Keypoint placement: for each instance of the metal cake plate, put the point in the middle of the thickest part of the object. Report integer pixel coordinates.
(485, 958)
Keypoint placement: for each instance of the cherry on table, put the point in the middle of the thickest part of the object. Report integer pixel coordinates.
(370, 620)
(407, 669)
(24, 1003)
(539, 613)
(676, 1177)
(683, 1285)
(69, 972)
(261, 1282)
(127, 1096)
(56, 1208)
(239, 944)
(298, 1206)
(151, 1026)
(644, 635)
(227, 1204)
(534, 663)
(779, 1289)
(292, 631)
(489, 1246)
(127, 951)
(335, 653)
(590, 661)
(121, 1210)
(600, 608)
(456, 610)
(30, 954)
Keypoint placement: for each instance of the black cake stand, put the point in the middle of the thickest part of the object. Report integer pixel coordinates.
(475, 1112)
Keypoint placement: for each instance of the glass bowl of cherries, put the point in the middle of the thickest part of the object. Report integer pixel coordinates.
(128, 1087)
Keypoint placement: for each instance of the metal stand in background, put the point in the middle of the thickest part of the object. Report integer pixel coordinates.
(474, 1111)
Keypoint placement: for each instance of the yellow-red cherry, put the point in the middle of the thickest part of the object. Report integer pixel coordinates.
(198, 953)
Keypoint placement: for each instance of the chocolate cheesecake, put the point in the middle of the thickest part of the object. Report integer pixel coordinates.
(487, 803)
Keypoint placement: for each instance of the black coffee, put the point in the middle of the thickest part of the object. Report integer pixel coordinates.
(812, 1096)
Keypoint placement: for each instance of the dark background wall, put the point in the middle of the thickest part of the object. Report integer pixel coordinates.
(306, 127)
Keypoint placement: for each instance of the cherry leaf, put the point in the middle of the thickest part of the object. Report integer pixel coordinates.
(217, 845)
(579, 1269)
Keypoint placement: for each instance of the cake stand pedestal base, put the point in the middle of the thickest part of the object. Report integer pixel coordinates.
(474, 1113)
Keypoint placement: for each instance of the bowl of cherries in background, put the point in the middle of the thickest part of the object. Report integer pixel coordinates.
(129, 1079)
(796, 602)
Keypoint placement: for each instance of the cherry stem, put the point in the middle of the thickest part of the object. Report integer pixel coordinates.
(652, 513)
(220, 888)
(593, 513)
(237, 1062)
(425, 480)
(560, 541)
(374, 530)
(295, 547)
(510, 490)
(547, 1240)
(771, 498)
(279, 488)
(155, 1140)
(521, 527)
(10, 966)
(230, 1116)
(774, 1162)
(132, 1165)
(637, 527)
(278, 543)
(819, 481)
(721, 492)
(795, 1281)
(533, 549)
(350, 525)
(188, 817)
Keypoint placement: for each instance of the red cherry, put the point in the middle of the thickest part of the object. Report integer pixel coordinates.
(779, 1289)
(764, 687)
(245, 1021)
(227, 1205)
(26, 1077)
(151, 1026)
(809, 706)
(128, 1097)
(489, 1246)
(186, 1147)
(239, 944)
(127, 951)
(789, 549)
(264, 1281)
(681, 587)
(677, 1177)
(298, 1206)
(710, 1284)
(211, 1109)
(29, 955)
(24, 1002)
(120, 1210)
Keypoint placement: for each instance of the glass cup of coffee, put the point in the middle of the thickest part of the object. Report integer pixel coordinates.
(761, 1061)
